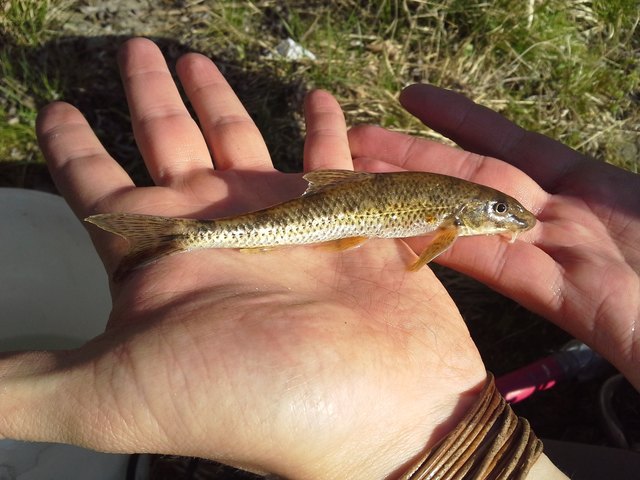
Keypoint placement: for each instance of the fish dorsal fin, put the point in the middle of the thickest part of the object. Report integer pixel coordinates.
(321, 179)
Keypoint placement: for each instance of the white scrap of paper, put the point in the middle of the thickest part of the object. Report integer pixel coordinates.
(289, 49)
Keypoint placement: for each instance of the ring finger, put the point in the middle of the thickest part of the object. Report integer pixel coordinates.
(169, 139)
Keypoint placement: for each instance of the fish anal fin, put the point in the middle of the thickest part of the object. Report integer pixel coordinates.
(321, 179)
(342, 244)
(256, 249)
(443, 239)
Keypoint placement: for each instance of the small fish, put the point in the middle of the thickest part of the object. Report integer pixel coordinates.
(341, 208)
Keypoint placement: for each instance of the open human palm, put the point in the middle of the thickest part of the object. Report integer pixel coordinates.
(301, 362)
(580, 265)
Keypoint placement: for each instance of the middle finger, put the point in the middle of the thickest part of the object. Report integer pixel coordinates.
(232, 135)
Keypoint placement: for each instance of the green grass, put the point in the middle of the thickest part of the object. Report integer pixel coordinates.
(568, 69)
(23, 88)
(23, 24)
(28, 21)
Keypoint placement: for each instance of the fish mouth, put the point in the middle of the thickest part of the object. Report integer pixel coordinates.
(518, 225)
(524, 223)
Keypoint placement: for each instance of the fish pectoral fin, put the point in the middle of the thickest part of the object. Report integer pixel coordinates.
(343, 243)
(443, 239)
(321, 179)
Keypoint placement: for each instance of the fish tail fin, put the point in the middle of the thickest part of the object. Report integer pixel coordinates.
(150, 237)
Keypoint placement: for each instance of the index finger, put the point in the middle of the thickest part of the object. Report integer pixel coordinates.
(483, 131)
(378, 149)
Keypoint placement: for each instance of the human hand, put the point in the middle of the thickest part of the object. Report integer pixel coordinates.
(579, 266)
(304, 363)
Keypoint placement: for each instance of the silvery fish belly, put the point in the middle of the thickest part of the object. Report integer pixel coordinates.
(342, 207)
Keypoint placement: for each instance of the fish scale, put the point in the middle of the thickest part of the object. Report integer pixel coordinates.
(340, 206)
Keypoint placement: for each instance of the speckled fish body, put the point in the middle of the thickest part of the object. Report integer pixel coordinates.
(339, 206)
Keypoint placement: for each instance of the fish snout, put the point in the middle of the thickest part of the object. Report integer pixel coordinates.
(523, 220)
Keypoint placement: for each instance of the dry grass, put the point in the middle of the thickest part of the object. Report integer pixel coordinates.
(568, 69)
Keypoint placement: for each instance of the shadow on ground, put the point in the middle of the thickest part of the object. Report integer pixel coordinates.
(85, 72)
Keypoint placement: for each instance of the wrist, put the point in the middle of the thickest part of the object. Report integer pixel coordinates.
(384, 449)
(489, 442)
(543, 469)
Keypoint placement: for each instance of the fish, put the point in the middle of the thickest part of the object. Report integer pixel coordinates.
(341, 209)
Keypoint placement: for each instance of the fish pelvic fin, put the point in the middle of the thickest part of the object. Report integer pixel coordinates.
(150, 237)
(443, 239)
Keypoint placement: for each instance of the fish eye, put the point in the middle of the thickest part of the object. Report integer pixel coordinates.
(500, 207)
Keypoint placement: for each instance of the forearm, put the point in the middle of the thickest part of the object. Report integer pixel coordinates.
(26, 391)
